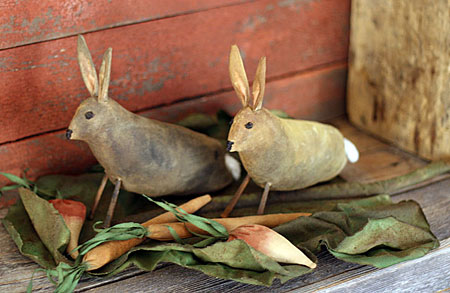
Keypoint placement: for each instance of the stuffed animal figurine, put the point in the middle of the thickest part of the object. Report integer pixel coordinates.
(280, 154)
(143, 155)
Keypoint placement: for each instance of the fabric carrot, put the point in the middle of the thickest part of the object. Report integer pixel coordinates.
(109, 251)
(163, 232)
(74, 214)
(272, 244)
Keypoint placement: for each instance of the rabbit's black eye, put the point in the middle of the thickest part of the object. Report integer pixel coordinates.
(249, 125)
(89, 115)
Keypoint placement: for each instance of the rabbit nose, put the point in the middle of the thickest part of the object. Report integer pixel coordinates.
(69, 133)
(229, 145)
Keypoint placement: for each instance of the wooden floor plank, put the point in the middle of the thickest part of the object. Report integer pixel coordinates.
(378, 160)
(427, 274)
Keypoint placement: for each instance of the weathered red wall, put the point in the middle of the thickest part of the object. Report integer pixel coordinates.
(169, 60)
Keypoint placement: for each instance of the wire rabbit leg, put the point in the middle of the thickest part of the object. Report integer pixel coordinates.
(112, 204)
(262, 203)
(236, 197)
(98, 196)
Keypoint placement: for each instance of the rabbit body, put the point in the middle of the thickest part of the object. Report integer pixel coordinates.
(152, 157)
(280, 154)
(289, 154)
(145, 155)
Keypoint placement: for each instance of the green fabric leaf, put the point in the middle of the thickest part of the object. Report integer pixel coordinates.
(372, 231)
(198, 121)
(19, 226)
(280, 113)
(48, 224)
(84, 188)
(233, 260)
(216, 126)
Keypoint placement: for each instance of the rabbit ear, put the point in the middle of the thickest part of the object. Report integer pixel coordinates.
(87, 67)
(238, 76)
(103, 77)
(259, 84)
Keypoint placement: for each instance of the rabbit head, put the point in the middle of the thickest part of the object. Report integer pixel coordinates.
(98, 110)
(251, 125)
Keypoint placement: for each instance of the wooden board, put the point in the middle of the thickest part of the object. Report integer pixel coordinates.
(429, 273)
(320, 93)
(433, 271)
(159, 62)
(375, 157)
(399, 85)
(29, 21)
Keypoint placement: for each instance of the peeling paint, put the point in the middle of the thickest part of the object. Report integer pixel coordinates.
(153, 65)
(5, 62)
(150, 85)
(252, 22)
(7, 28)
(269, 7)
(294, 3)
(214, 62)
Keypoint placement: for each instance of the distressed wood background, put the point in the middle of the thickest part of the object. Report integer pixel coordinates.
(169, 60)
(399, 73)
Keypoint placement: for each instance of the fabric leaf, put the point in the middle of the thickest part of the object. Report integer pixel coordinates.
(372, 231)
(19, 226)
(48, 224)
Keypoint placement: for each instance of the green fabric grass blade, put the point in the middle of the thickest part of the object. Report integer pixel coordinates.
(205, 242)
(214, 228)
(67, 276)
(9, 187)
(16, 179)
(30, 284)
(175, 235)
(123, 231)
(22, 182)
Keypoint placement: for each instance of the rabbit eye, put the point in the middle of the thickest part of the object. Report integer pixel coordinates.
(89, 115)
(249, 125)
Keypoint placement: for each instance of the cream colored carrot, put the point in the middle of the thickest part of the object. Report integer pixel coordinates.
(109, 251)
(161, 231)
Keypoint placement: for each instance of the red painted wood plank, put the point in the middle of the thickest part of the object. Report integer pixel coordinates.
(160, 62)
(315, 95)
(29, 21)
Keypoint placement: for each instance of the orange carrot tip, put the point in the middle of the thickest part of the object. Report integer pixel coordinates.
(73, 213)
(272, 244)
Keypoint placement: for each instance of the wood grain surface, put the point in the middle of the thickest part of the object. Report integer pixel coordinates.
(399, 85)
(30, 21)
(158, 62)
(320, 93)
(426, 274)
